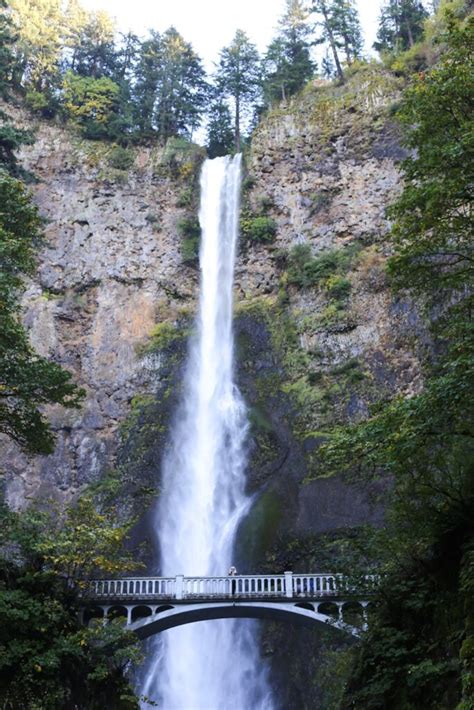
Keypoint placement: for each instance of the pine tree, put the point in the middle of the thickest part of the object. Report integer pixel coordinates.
(182, 87)
(401, 24)
(324, 9)
(347, 28)
(39, 45)
(287, 64)
(170, 90)
(93, 50)
(220, 134)
(238, 79)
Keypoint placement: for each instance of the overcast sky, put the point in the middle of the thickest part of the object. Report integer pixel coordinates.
(210, 24)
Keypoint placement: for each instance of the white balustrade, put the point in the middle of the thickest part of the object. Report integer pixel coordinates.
(288, 586)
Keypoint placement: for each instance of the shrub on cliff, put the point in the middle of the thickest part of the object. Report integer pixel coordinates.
(258, 229)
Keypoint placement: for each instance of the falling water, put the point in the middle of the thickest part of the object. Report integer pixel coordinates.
(212, 665)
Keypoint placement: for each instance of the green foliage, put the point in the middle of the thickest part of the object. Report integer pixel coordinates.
(306, 270)
(220, 134)
(287, 64)
(338, 287)
(36, 100)
(48, 660)
(418, 650)
(341, 29)
(162, 336)
(401, 25)
(170, 90)
(7, 39)
(27, 381)
(11, 139)
(433, 232)
(91, 102)
(38, 49)
(121, 158)
(258, 229)
(238, 79)
(190, 231)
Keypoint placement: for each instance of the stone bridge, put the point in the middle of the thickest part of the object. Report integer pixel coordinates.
(153, 604)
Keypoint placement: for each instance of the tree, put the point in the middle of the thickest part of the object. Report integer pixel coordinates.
(49, 660)
(170, 91)
(182, 87)
(27, 381)
(401, 24)
(327, 66)
(91, 102)
(7, 38)
(92, 44)
(287, 65)
(341, 30)
(424, 657)
(39, 45)
(220, 134)
(238, 79)
(433, 229)
(347, 28)
(324, 9)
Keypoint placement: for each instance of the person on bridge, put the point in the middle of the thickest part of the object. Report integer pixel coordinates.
(232, 572)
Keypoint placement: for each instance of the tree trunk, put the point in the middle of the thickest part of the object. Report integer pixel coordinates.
(332, 41)
(237, 123)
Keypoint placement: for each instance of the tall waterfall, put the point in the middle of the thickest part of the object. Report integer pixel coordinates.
(211, 665)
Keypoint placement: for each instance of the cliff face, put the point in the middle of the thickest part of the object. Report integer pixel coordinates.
(319, 335)
(324, 168)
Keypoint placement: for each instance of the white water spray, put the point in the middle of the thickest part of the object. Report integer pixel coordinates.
(210, 665)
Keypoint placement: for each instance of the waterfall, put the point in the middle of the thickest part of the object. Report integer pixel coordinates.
(211, 665)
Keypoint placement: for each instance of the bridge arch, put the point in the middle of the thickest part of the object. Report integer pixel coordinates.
(141, 611)
(179, 615)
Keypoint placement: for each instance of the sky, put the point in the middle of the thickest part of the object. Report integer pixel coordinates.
(210, 24)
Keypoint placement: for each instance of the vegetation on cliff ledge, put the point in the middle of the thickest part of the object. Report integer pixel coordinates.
(419, 650)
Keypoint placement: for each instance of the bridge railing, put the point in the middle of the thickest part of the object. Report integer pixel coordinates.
(287, 585)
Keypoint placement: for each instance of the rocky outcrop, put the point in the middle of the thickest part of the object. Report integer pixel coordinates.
(324, 168)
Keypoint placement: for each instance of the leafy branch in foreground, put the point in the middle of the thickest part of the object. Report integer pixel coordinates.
(49, 661)
(27, 380)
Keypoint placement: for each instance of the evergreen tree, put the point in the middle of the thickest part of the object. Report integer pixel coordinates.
(93, 49)
(171, 90)
(182, 87)
(220, 134)
(287, 64)
(39, 45)
(75, 19)
(324, 8)
(146, 83)
(7, 38)
(347, 28)
(401, 24)
(238, 79)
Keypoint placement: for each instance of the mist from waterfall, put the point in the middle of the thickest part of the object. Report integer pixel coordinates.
(211, 665)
